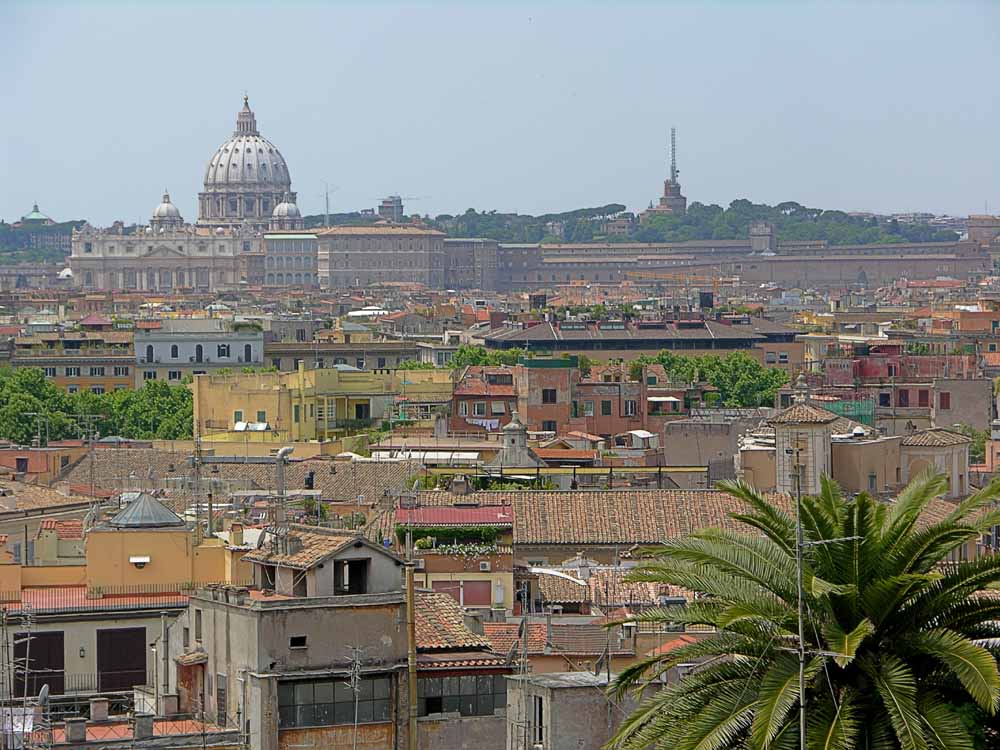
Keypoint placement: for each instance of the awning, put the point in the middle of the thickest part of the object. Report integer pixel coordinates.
(667, 399)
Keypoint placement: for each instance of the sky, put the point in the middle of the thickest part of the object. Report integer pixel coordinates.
(515, 106)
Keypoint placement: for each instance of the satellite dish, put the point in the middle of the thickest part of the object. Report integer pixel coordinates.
(43, 695)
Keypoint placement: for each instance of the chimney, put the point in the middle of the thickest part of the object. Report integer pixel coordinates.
(236, 535)
(76, 730)
(460, 485)
(143, 726)
(99, 709)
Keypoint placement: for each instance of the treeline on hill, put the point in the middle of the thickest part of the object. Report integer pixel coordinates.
(741, 380)
(29, 402)
(792, 221)
(15, 242)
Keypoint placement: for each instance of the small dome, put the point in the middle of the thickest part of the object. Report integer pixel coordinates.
(146, 512)
(166, 209)
(286, 209)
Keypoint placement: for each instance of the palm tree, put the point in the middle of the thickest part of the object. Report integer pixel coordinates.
(896, 635)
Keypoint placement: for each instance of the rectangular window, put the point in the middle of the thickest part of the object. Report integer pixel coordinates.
(923, 397)
(651, 380)
(237, 416)
(537, 720)
(276, 363)
(50, 372)
(297, 641)
(72, 388)
(149, 375)
(97, 389)
(903, 398)
(321, 703)
(261, 416)
(944, 401)
(872, 482)
(296, 413)
(97, 372)
(222, 350)
(197, 625)
(186, 637)
(72, 372)
(121, 372)
(463, 408)
(549, 425)
(381, 363)
(575, 409)
(605, 408)
(435, 693)
(220, 699)
(885, 399)
(548, 395)
(782, 358)
(174, 375)
(629, 408)
(588, 408)
(479, 408)
(770, 358)
(497, 407)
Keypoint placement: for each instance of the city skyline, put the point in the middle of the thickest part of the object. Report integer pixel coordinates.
(548, 128)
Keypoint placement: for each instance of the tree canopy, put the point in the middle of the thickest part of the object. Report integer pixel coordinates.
(29, 403)
(901, 641)
(741, 380)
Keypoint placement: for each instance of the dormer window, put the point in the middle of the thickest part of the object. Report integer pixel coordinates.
(350, 576)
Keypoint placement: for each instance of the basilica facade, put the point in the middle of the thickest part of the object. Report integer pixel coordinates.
(247, 192)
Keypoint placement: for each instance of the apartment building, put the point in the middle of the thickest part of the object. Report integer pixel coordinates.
(98, 361)
(178, 347)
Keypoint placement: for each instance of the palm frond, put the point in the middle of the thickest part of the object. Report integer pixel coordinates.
(834, 725)
(777, 693)
(778, 527)
(897, 687)
(973, 665)
(845, 644)
(943, 726)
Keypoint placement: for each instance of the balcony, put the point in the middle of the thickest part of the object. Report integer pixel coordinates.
(350, 425)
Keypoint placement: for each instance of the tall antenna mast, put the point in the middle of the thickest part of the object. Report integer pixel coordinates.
(673, 155)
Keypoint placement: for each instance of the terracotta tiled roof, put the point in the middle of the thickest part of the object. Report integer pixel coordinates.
(617, 517)
(117, 469)
(464, 659)
(673, 644)
(803, 414)
(586, 639)
(440, 624)
(502, 636)
(316, 545)
(68, 530)
(451, 516)
(558, 590)
(936, 438)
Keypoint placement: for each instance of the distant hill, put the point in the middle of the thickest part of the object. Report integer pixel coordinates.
(792, 221)
(16, 245)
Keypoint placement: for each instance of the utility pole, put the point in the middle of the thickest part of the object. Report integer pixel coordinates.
(411, 646)
(799, 545)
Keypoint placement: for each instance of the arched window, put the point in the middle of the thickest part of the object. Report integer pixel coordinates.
(149, 352)
(199, 353)
(247, 353)
(173, 351)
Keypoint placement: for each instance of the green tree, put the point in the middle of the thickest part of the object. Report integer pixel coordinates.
(896, 638)
(977, 449)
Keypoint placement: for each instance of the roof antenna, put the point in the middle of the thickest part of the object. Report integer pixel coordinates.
(673, 155)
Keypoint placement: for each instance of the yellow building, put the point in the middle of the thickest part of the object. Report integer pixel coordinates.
(312, 404)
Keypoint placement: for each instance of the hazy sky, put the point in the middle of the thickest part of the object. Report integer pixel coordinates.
(530, 107)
